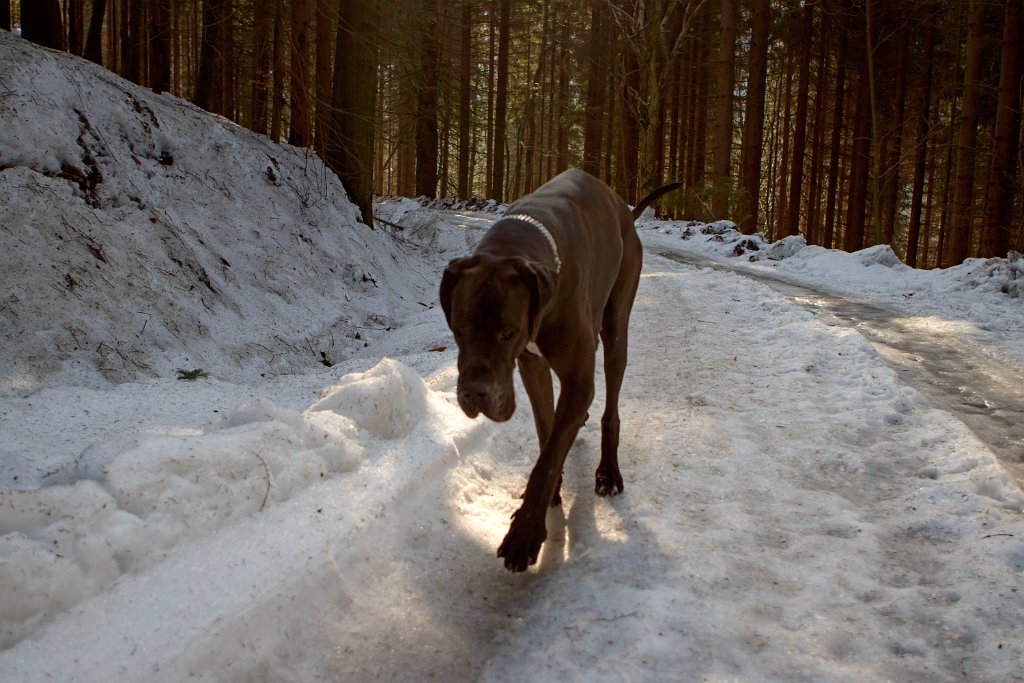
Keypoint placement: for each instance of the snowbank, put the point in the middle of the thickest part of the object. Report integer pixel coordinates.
(140, 235)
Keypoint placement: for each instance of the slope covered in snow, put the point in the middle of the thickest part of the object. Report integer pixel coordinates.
(141, 236)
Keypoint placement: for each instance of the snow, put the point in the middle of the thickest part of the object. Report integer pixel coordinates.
(793, 510)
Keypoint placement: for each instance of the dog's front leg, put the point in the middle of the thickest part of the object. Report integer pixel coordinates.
(527, 532)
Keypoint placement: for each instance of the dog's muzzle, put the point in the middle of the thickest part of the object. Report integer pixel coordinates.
(484, 397)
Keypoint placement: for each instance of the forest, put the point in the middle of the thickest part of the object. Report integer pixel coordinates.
(852, 122)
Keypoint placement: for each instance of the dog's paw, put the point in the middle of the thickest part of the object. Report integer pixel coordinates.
(608, 482)
(521, 546)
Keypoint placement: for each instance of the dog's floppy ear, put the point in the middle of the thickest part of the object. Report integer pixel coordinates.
(540, 281)
(448, 281)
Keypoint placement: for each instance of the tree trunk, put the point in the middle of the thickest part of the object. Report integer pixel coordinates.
(860, 167)
(995, 236)
(921, 149)
(778, 226)
(209, 94)
(597, 75)
(814, 233)
(724, 86)
(831, 193)
(41, 23)
(350, 145)
(262, 50)
(298, 132)
(890, 188)
(465, 97)
(76, 28)
(160, 46)
(501, 104)
(796, 177)
(325, 31)
(5, 15)
(134, 43)
(94, 39)
(958, 240)
(426, 103)
(277, 59)
(752, 144)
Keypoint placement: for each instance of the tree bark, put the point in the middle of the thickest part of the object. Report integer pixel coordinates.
(597, 48)
(958, 239)
(41, 23)
(277, 59)
(76, 28)
(831, 193)
(996, 232)
(796, 177)
(724, 86)
(262, 50)
(94, 39)
(426, 103)
(298, 132)
(891, 169)
(501, 103)
(209, 94)
(752, 144)
(5, 15)
(160, 46)
(860, 167)
(350, 145)
(465, 97)
(921, 148)
(325, 31)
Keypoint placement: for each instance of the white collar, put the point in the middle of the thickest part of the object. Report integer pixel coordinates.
(544, 231)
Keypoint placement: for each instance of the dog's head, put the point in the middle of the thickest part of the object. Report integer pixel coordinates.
(494, 307)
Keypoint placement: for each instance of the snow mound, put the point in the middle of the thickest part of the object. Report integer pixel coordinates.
(141, 235)
(61, 544)
(386, 401)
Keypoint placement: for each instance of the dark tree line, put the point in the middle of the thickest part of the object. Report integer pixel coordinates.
(854, 122)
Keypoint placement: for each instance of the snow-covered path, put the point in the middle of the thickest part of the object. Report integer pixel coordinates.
(792, 512)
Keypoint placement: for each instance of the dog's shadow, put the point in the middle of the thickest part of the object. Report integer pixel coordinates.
(584, 520)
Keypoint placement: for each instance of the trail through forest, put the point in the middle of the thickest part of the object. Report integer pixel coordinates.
(973, 382)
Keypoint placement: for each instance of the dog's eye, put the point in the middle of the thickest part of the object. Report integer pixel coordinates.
(506, 333)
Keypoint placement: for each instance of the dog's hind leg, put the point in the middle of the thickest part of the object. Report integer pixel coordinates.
(614, 339)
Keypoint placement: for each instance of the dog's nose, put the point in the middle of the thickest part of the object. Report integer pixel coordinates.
(473, 397)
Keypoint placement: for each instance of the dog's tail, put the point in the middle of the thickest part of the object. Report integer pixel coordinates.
(649, 199)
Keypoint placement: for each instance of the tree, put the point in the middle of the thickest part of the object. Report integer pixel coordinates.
(5, 15)
(921, 150)
(426, 103)
(350, 145)
(722, 132)
(41, 23)
(160, 46)
(800, 129)
(465, 97)
(325, 30)
(501, 104)
(597, 70)
(298, 132)
(957, 245)
(262, 51)
(209, 93)
(998, 219)
(753, 121)
(93, 40)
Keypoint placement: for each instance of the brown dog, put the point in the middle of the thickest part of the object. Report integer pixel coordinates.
(560, 268)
